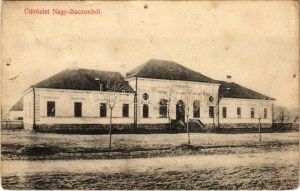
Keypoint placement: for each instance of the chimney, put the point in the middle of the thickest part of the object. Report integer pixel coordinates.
(123, 70)
(228, 78)
(72, 65)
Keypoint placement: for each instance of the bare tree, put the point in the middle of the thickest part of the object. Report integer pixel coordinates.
(284, 116)
(259, 124)
(113, 88)
(190, 108)
(169, 98)
(260, 114)
(296, 118)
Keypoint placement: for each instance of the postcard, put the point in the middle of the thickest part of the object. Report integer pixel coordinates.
(150, 95)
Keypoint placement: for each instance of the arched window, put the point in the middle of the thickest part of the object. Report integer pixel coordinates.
(196, 109)
(163, 108)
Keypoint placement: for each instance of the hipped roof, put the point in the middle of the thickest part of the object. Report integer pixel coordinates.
(85, 79)
(233, 90)
(169, 70)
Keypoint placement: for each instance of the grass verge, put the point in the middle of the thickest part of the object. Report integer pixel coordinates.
(19, 152)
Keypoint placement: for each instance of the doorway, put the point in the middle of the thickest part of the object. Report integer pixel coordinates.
(180, 111)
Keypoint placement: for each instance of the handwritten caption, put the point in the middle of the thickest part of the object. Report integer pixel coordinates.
(62, 12)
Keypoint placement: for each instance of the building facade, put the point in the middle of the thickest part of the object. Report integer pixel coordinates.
(154, 95)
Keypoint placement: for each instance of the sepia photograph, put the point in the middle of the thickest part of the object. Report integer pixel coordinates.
(150, 95)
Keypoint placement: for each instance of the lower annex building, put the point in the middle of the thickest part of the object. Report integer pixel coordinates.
(152, 95)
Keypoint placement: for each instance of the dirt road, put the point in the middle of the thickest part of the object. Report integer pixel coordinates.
(271, 170)
(241, 163)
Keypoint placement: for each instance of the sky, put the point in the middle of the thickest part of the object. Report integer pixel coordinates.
(256, 42)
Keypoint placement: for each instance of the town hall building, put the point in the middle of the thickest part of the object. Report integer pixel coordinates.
(158, 94)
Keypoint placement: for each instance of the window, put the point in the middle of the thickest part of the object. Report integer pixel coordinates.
(211, 111)
(163, 108)
(224, 112)
(238, 112)
(145, 96)
(265, 113)
(252, 113)
(196, 107)
(103, 110)
(125, 110)
(145, 111)
(50, 109)
(78, 109)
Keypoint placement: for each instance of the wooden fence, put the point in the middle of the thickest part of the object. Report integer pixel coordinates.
(11, 124)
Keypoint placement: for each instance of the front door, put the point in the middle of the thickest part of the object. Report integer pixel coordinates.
(180, 111)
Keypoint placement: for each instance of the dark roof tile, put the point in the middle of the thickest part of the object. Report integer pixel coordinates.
(84, 79)
(169, 70)
(18, 106)
(233, 90)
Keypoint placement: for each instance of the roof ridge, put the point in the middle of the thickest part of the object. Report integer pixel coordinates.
(242, 90)
(110, 71)
(149, 61)
(138, 69)
(81, 79)
(18, 106)
(254, 91)
(180, 72)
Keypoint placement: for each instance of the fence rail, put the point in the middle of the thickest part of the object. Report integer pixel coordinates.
(11, 124)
